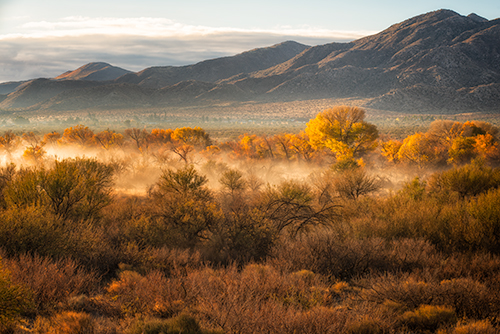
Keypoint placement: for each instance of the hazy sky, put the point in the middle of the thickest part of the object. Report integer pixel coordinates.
(46, 38)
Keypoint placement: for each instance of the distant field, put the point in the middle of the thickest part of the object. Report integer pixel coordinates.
(228, 120)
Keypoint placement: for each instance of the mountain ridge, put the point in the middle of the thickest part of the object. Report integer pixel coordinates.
(95, 71)
(439, 61)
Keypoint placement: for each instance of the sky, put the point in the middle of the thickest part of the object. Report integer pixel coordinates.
(47, 38)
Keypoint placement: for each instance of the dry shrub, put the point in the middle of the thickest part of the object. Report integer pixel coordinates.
(152, 294)
(98, 304)
(475, 327)
(51, 281)
(480, 266)
(469, 298)
(259, 299)
(429, 317)
(14, 300)
(90, 247)
(365, 326)
(338, 258)
(182, 324)
(65, 323)
(172, 262)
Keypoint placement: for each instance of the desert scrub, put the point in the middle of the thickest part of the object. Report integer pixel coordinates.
(51, 282)
(429, 317)
(14, 300)
(152, 294)
(65, 322)
(475, 327)
(181, 324)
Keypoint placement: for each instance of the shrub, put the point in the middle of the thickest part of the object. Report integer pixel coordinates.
(429, 317)
(14, 299)
(181, 324)
(364, 326)
(354, 183)
(73, 188)
(475, 327)
(66, 322)
(152, 294)
(469, 180)
(484, 231)
(32, 229)
(51, 282)
(184, 206)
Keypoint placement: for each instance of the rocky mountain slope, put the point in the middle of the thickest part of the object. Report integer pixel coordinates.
(94, 72)
(215, 69)
(440, 54)
(76, 85)
(436, 62)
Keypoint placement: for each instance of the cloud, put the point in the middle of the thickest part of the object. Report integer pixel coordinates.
(47, 49)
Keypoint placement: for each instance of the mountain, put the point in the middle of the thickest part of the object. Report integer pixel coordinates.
(47, 94)
(9, 87)
(35, 91)
(94, 72)
(439, 61)
(443, 52)
(214, 70)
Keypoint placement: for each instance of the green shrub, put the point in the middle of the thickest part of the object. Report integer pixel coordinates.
(468, 180)
(34, 230)
(484, 229)
(74, 188)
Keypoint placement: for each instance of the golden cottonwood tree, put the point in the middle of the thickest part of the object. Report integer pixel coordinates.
(343, 130)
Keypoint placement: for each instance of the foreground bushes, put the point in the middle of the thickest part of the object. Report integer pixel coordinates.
(294, 256)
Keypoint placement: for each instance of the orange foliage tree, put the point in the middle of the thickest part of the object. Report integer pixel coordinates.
(342, 130)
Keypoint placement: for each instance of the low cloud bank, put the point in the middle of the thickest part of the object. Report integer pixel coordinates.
(47, 49)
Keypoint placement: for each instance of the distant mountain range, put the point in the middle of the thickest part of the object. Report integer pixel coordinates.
(436, 62)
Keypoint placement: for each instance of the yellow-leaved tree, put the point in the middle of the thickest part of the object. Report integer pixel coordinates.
(344, 131)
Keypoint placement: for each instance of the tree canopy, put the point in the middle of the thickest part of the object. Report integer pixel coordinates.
(343, 130)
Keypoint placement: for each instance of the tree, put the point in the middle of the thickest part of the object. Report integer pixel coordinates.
(79, 135)
(192, 136)
(293, 207)
(389, 149)
(34, 152)
(140, 137)
(301, 146)
(487, 147)
(233, 181)
(51, 138)
(342, 130)
(417, 149)
(108, 139)
(461, 150)
(355, 183)
(9, 142)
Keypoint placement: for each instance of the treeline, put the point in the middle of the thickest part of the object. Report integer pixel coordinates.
(339, 135)
(323, 254)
